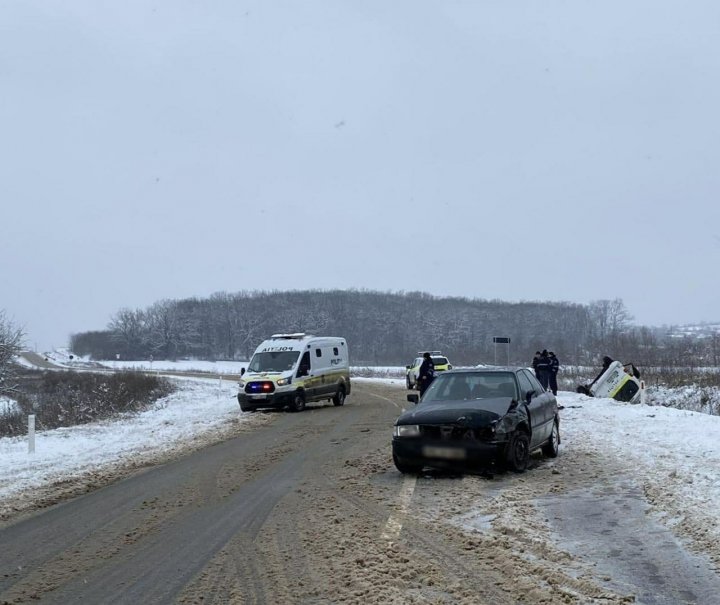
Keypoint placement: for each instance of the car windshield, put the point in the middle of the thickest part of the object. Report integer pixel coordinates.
(273, 361)
(471, 385)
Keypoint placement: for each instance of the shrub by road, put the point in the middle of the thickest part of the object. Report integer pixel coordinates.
(68, 398)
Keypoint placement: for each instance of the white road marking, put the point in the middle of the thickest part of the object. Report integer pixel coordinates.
(393, 527)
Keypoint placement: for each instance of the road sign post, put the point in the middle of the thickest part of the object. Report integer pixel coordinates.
(505, 341)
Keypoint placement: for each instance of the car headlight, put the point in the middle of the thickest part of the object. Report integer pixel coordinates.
(284, 381)
(406, 430)
(504, 424)
(241, 385)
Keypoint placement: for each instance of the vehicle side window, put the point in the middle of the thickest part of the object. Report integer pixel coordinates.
(304, 367)
(535, 385)
(318, 352)
(525, 384)
(336, 351)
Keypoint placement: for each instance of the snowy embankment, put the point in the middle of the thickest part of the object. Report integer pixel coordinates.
(673, 454)
(200, 412)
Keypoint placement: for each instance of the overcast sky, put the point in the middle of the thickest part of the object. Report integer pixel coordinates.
(522, 150)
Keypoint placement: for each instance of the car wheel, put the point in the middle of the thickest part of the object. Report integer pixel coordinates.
(339, 398)
(517, 452)
(406, 467)
(298, 402)
(551, 448)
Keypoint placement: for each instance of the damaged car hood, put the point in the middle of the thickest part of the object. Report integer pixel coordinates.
(476, 412)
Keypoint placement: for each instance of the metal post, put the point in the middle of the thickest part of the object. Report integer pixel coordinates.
(643, 399)
(31, 434)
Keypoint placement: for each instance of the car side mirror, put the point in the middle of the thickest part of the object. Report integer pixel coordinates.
(413, 398)
(529, 396)
(242, 371)
(408, 367)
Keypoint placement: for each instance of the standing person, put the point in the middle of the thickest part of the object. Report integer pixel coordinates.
(605, 365)
(543, 369)
(554, 368)
(426, 373)
(535, 362)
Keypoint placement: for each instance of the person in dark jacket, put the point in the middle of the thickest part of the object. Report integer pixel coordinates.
(606, 364)
(554, 369)
(543, 369)
(534, 364)
(426, 373)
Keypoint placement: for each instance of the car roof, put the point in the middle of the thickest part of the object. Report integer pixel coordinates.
(484, 369)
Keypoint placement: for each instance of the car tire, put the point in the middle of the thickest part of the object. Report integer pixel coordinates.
(552, 447)
(298, 402)
(517, 452)
(407, 467)
(339, 397)
(244, 408)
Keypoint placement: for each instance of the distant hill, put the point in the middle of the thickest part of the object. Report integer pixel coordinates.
(381, 327)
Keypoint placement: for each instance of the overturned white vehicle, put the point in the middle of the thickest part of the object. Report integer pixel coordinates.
(617, 381)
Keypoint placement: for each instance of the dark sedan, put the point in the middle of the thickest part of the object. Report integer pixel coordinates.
(474, 416)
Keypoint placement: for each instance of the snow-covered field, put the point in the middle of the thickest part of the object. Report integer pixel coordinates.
(62, 357)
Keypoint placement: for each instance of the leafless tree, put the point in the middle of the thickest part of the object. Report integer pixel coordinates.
(11, 343)
(128, 328)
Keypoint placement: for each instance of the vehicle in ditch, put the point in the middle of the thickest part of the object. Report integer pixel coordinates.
(617, 381)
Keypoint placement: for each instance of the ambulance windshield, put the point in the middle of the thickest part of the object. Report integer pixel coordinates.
(273, 361)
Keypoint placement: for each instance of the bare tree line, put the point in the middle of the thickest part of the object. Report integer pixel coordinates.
(384, 328)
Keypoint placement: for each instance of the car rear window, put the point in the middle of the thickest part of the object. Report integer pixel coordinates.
(440, 361)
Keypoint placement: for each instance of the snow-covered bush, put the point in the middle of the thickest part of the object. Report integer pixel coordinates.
(69, 398)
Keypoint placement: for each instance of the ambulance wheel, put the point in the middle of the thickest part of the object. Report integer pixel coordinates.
(244, 408)
(339, 398)
(298, 402)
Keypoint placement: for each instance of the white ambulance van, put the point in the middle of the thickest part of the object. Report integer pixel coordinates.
(291, 370)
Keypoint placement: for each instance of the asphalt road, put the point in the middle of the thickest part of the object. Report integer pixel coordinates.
(309, 509)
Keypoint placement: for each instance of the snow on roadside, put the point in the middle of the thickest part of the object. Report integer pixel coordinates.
(674, 454)
(181, 365)
(201, 410)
